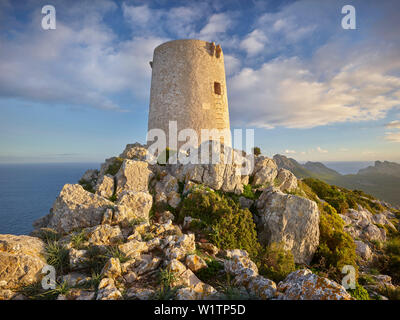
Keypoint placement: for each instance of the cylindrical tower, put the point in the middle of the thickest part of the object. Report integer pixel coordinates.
(188, 85)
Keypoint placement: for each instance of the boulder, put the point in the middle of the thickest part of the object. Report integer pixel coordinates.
(265, 171)
(221, 170)
(136, 151)
(105, 186)
(286, 181)
(108, 291)
(77, 208)
(22, 259)
(77, 259)
(304, 285)
(363, 250)
(290, 220)
(104, 235)
(195, 263)
(133, 176)
(112, 269)
(133, 205)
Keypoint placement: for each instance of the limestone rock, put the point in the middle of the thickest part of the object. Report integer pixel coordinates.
(108, 291)
(304, 285)
(74, 278)
(164, 216)
(77, 208)
(140, 293)
(265, 171)
(105, 186)
(221, 170)
(245, 203)
(286, 181)
(209, 247)
(133, 176)
(195, 263)
(112, 269)
(77, 259)
(133, 205)
(290, 220)
(104, 235)
(184, 245)
(363, 250)
(136, 151)
(147, 263)
(21, 260)
(133, 248)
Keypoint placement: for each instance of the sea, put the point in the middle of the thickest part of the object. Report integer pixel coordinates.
(28, 191)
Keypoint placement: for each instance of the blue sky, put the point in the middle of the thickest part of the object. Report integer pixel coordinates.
(312, 90)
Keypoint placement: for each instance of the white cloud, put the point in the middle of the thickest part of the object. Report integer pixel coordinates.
(218, 23)
(254, 42)
(78, 64)
(232, 64)
(392, 136)
(290, 151)
(393, 125)
(295, 94)
(320, 150)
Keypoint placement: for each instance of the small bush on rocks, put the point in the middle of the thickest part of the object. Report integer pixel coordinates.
(276, 262)
(227, 226)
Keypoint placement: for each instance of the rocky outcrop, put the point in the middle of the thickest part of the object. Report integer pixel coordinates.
(133, 176)
(304, 285)
(76, 208)
(361, 224)
(265, 171)
(136, 151)
(290, 220)
(286, 181)
(246, 274)
(22, 259)
(105, 186)
(136, 205)
(219, 171)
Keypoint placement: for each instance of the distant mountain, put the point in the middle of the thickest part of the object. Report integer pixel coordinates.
(385, 167)
(292, 165)
(321, 170)
(381, 180)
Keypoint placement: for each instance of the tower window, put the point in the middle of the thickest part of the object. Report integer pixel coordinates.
(217, 88)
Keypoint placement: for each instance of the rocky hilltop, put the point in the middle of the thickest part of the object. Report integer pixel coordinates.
(139, 229)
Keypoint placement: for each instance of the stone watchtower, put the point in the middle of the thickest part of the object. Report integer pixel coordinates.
(188, 86)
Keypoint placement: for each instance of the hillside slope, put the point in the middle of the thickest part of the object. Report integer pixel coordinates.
(381, 180)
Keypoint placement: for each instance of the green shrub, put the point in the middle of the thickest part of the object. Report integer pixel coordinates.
(336, 247)
(225, 224)
(248, 192)
(78, 240)
(392, 265)
(57, 256)
(256, 151)
(276, 262)
(359, 292)
(86, 185)
(115, 166)
(342, 199)
(96, 259)
(49, 235)
(212, 270)
(167, 290)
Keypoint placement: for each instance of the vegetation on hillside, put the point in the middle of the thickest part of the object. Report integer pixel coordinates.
(222, 220)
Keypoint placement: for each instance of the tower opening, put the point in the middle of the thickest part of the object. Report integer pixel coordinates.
(217, 88)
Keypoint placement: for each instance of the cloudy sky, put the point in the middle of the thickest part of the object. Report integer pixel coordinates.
(311, 89)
